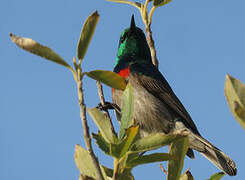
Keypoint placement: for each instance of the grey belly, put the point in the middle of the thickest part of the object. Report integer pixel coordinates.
(150, 113)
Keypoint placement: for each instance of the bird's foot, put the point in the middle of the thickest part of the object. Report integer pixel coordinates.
(107, 106)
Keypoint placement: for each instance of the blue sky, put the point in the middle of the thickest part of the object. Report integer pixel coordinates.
(197, 43)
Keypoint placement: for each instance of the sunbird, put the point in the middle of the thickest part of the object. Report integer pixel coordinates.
(156, 107)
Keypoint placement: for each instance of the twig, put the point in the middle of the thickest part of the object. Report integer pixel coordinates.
(86, 135)
(151, 44)
(115, 171)
(147, 19)
(102, 101)
(163, 170)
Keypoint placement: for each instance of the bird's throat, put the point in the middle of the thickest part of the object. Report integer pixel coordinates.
(124, 72)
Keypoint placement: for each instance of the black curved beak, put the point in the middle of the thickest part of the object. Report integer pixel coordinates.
(132, 25)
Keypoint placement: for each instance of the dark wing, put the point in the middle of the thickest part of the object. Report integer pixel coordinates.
(154, 82)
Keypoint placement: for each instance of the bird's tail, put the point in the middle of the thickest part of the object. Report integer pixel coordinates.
(213, 154)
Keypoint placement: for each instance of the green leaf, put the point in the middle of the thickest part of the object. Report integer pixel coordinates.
(151, 158)
(38, 49)
(115, 150)
(186, 176)
(217, 176)
(178, 149)
(154, 141)
(159, 3)
(126, 175)
(235, 95)
(87, 34)
(127, 110)
(135, 4)
(120, 149)
(108, 171)
(130, 136)
(100, 141)
(81, 177)
(103, 123)
(84, 162)
(109, 78)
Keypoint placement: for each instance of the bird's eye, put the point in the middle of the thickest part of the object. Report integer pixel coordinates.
(122, 39)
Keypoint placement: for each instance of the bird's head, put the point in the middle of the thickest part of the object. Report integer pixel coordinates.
(133, 45)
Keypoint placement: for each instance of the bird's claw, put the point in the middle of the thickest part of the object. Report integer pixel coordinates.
(107, 106)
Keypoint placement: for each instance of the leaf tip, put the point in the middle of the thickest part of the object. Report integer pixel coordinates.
(77, 146)
(227, 76)
(96, 13)
(74, 60)
(12, 36)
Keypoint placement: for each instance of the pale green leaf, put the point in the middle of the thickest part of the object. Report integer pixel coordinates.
(109, 78)
(151, 158)
(217, 176)
(127, 110)
(38, 49)
(235, 95)
(178, 149)
(159, 3)
(87, 34)
(84, 162)
(103, 123)
(135, 4)
(154, 141)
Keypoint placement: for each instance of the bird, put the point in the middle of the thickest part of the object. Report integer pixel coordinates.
(156, 107)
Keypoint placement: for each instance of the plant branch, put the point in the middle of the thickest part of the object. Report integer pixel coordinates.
(151, 14)
(151, 44)
(144, 13)
(116, 168)
(163, 170)
(102, 101)
(147, 19)
(86, 135)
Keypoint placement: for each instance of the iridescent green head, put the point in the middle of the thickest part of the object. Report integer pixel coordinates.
(133, 45)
